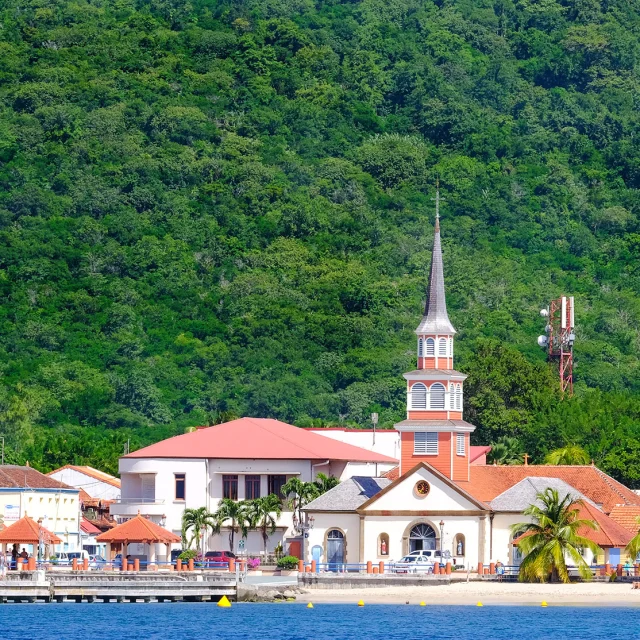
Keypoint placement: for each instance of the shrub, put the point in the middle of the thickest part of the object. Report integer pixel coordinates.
(188, 554)
(253, 563)
(288, 563)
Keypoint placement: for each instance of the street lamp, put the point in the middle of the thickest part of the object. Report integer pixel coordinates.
(302, 529)
(441, 536)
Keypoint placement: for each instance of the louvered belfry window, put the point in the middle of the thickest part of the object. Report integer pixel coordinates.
(425, 442)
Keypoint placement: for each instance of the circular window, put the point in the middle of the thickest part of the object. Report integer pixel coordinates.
(423, 488)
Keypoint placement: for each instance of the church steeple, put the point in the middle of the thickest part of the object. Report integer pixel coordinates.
(436, 319)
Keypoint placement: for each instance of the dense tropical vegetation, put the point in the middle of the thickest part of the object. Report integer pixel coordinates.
(552, 538)
(211, 208)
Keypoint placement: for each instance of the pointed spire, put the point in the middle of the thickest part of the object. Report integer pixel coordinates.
(436, 319)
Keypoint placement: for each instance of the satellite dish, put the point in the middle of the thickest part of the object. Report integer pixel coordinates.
(544, 312)
(543, 341)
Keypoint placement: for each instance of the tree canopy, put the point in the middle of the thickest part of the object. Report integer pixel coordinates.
(212, 208)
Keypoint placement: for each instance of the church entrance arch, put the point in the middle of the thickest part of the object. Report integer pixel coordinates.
(422, 537)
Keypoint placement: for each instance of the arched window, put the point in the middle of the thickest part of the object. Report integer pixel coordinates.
(430, 344)
(420, 348)
(421, 537)
(383, 544)
(459, 397)
(436, 393)
(418, 396)
(442, 347)
(459, 545)
(335, 548)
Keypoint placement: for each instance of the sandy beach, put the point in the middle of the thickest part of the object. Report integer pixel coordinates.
(511, 593)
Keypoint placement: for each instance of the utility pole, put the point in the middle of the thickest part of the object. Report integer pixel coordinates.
(374, 420)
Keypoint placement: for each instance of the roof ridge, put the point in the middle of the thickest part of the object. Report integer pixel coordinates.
(612, 482)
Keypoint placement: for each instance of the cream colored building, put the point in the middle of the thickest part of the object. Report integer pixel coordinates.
(26, 491)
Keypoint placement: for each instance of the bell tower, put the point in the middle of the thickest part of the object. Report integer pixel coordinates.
(434, 431)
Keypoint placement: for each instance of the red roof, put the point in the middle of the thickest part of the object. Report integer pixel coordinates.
(15, 476)
(626, 516)
(138, 529)
(609, 534)
(489, 481)
(89, 528)
(392, 474)
(27, 531)
(257, 438)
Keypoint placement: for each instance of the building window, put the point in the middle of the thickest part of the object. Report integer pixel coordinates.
(437, 393)
(460, 444)
(275, 484)
(459, 397)
(418, 396)
(420, 348)
(430, 347)
(452, 396)
(425, 443)
(230, 487)
(251, 487)
(442, 347)
(180, 485)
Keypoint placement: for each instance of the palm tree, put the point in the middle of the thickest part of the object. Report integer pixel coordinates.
(263, 514)
(324, 483)
(505, 450)
(299, 494)
(236, 514)
(195, 523)
(571, 454)
(553, 537)
(633, 548)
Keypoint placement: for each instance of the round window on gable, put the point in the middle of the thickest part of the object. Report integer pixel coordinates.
(422, 488)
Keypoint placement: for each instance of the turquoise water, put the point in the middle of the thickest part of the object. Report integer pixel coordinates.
(324, 622)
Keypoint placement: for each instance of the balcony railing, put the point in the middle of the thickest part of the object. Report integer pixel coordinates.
(138, 501)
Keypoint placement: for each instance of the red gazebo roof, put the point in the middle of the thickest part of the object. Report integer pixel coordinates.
(138, 529)
(27, 531)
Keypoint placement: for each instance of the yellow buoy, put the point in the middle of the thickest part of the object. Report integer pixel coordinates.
(310, 606)
(479, 604)
(361, 603)
(544, 604)
(224, 602)
(423, 604)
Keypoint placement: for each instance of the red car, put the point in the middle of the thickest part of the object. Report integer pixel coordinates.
(216, 559)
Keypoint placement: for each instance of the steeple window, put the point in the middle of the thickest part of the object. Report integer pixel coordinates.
(452, 397)
(437, 396)
(425, 442)
(418, 396)
(459, 397)
(430, 347)
(420, 348)
(442, 347)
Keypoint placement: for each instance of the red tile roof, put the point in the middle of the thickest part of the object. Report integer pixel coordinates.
(609, 534)
(89, 528)
(626, 516)
(92, 473)
(257, 438)
(27, 531)
(489, 481)
(392, 474)
(138, 529)
(15, 476)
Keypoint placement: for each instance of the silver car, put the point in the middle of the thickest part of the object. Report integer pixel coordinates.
(413, 564)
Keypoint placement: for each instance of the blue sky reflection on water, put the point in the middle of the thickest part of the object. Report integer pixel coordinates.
(325, 622)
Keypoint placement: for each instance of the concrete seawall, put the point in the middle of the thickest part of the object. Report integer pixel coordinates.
(369, 581)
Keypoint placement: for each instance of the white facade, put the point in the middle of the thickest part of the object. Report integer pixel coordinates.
(149, 488)
(59, 510)
(106, 488)
(383, 441)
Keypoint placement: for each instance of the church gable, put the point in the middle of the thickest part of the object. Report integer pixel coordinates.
(422, 489)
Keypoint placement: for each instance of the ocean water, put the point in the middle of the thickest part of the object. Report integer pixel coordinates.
(289, 621)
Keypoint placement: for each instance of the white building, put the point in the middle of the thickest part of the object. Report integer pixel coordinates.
(26, 491)
(97, 484)
(242, 459)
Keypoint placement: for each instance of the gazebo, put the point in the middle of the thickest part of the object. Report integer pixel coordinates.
(138, 530)
(27, 531)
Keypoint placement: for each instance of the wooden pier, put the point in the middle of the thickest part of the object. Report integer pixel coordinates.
(116, 586)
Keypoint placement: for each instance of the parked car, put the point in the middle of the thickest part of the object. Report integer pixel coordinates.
(96, 562)
(65, 558)
(175, 554)
(215, 559)
(414, 564)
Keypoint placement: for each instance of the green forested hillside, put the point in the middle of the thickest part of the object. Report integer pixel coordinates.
(211, 208)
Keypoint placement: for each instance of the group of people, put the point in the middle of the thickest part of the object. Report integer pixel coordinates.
(12, 558)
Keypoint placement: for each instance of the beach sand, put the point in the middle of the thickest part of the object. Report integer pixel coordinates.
(506, 593)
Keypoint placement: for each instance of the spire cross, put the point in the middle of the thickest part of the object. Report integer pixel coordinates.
(438, 200)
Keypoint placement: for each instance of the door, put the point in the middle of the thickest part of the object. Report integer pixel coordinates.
(316, 552)
(295, 549)
(335, 549)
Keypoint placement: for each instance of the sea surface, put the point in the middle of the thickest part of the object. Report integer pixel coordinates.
(289, 621)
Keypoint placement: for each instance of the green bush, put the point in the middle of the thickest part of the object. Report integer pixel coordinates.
(288, 563)
(188, 554)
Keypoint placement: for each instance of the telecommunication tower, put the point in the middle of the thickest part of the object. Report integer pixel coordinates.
(559, 338)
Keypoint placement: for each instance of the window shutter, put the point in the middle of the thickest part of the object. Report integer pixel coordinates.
(460, 443)
(418, 396)
(425, 442)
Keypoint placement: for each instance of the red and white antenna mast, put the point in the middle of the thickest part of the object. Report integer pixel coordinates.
(560, 338)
